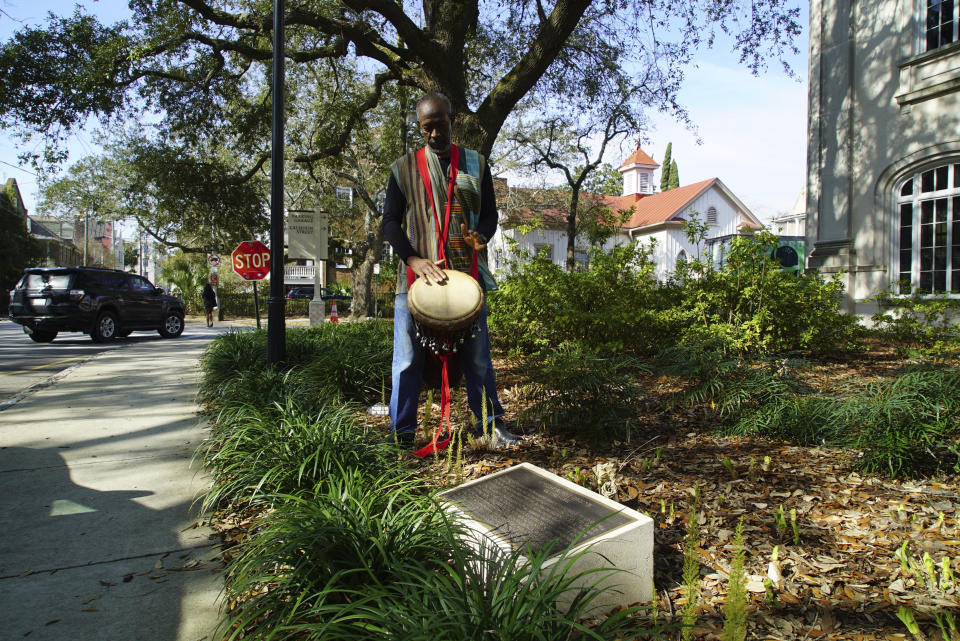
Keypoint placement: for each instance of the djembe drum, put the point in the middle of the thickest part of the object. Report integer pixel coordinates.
(445, 315)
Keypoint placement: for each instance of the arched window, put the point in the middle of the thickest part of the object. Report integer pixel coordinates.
(928, 226)
(711, 215)
(682, 257)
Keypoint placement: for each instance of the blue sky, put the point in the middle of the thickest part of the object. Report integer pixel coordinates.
(753, 129)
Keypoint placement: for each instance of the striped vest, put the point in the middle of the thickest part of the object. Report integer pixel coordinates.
(418, 221)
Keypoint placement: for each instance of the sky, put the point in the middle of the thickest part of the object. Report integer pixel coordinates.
(752, 129)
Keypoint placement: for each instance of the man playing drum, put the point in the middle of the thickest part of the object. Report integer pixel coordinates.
(417, 211)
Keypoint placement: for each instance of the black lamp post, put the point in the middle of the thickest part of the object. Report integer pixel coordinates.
(276, 329)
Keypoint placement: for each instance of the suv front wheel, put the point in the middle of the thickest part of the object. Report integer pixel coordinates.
(172, 325)
(105, 329)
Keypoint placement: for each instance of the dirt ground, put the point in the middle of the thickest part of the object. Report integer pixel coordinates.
(841, 570)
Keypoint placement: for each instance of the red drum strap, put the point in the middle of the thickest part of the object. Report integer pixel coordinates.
(435, 444)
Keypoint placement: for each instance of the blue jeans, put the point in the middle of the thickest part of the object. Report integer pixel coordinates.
(408, 358)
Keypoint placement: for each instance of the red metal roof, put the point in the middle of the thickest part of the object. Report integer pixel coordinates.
(639, 157)
(659, 207)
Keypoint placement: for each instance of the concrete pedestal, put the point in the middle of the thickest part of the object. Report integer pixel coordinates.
(318, 312)
(526, 507)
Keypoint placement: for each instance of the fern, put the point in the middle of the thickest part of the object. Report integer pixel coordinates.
(735, 610)
(691, 571)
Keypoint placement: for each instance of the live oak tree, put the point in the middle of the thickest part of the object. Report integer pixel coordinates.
(199, 71)
(363, 165)
(196, 63)
(195, 204)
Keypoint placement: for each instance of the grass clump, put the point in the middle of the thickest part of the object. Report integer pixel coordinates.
(255, 454)
(320, 549)
(342, 541)
(346, 360)
(905, 425)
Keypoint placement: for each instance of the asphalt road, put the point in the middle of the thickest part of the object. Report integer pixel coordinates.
(25, 364)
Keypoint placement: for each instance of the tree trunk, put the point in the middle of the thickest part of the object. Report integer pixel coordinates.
(572, 228)
(366, 255)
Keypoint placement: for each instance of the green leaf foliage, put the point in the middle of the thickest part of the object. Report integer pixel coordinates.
(18, 249)
(666, 167)
(608, 307)
(57, 76)
(597, 397)
(920, 323)
(348, 542)
(747, 306)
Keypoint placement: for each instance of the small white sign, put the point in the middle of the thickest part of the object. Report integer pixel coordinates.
(307, 234)
(213, 260)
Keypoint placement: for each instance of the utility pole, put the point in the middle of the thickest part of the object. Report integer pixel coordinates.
(276, 328)
(86, 241)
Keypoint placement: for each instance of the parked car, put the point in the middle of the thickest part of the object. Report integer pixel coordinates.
(104, 303)
(325, 293)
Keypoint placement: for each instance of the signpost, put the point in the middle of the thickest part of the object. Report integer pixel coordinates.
(251, 261)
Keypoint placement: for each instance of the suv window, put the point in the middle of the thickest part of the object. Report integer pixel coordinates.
(103, 280)
(141, 284)
(43, 279)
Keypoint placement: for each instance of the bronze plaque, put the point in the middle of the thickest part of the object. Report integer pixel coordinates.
(528, 509)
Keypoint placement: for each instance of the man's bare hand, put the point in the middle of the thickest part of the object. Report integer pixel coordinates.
(474, 240)
(427, 269)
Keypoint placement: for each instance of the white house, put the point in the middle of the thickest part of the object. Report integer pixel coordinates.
(660, 217)
(657, 217)
(883, 159)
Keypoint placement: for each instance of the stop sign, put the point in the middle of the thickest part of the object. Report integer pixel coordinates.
(251, 259)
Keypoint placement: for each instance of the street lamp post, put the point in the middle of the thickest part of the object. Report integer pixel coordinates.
(276, 329)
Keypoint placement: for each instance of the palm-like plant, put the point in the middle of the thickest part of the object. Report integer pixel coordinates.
(187, 274)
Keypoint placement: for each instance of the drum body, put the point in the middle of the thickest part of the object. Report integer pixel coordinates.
(445, 314)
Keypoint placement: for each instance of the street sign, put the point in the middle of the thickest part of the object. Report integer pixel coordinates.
(251, 260)
(213, 260)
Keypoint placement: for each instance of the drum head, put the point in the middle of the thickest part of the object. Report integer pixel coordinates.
(451, 305)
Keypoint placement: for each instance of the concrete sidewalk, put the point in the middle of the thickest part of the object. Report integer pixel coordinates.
(99, 538)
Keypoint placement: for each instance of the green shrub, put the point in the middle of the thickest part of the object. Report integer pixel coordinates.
(749, 305)
(579, 392)
(610, 306)
(753, 306)
(927, 325)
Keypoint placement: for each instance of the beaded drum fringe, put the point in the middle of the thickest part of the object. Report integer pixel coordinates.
(443, 342)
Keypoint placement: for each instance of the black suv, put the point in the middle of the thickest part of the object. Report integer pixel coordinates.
(306, 292)
(104, 303)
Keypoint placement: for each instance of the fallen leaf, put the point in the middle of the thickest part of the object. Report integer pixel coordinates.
(754, 583)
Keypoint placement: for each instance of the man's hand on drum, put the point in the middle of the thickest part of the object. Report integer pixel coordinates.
(427, 269)
(474, 239)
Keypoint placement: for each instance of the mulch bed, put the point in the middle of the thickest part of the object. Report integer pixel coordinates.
(843, 580)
